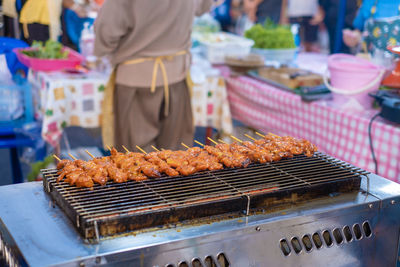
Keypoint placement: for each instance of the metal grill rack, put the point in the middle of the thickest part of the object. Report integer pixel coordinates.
(118, 208)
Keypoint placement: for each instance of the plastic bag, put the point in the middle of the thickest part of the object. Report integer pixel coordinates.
(11, 98)
(206, 24)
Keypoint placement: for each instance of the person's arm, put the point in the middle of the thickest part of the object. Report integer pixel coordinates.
(111, 24)
(353, 38)
(318, 17)
(250, 8)
(203, 6)
(78, 9)
(284, 19)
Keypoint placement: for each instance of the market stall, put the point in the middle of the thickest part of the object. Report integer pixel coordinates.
(297, 189)
(335, 131)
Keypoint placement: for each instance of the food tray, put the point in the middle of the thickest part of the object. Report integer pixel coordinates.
(218, 45)
(38, 64)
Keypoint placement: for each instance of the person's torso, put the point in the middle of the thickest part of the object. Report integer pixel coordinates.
(159, 28)
(269, 9)
(302, 8)
(382, 28)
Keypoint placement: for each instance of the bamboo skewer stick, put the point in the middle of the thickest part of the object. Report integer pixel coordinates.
(184, 145)
(212, 140)
(197, 142)
(248, 136)
(257, 133)
(69, 154)
(153, 147)
(57, 158)
(127, 151)
(222, 141)
(109, 148)
(274, 134)
(262, 135)
(236, 139)
(141, 150)
(90, 154)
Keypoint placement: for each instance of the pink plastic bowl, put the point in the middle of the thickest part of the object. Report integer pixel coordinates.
(353, 78)
(350, 72)
(73, 60)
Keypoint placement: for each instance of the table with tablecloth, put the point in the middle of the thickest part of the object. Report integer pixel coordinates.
(66, 99)
(210, 105)
(336, 132)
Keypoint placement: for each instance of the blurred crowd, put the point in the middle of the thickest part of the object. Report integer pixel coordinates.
(314, 18)
(41, 20)
(351, 26)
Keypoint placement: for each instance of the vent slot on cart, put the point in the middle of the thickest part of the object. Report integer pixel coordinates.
(367, 229)
(347, 233)
(183, 264)
(285, 247)
(196, 263)
(209, 262)
(307, 242)
(337, 234)
(223, 260)
(317, 240)
(357, 231)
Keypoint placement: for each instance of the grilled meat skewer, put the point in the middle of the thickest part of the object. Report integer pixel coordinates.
(121, 167)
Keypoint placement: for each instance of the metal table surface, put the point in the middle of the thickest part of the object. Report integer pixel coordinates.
(45, 236)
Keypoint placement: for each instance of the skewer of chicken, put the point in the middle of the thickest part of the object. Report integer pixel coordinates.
(162, 165)
(74, 174)
(225, 156)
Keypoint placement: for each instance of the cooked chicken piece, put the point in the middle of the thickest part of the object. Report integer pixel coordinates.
(97, 172)
(163, 165)
(121, 167)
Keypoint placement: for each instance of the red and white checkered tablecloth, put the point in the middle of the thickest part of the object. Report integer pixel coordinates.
(335, 132)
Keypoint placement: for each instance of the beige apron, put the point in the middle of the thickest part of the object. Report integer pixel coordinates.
(107, 117)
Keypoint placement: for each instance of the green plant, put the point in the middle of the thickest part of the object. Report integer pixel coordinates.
(50, 50)
(271, 36)
(37, 166)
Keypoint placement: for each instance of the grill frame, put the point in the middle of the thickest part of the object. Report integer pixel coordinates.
(234, 201)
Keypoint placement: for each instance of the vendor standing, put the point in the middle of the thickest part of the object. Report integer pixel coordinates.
(378, 23)
(147, 100)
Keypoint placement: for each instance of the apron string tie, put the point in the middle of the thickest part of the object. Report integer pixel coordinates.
(158, 63)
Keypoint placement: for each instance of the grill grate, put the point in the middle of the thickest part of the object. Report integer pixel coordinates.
(117, 208)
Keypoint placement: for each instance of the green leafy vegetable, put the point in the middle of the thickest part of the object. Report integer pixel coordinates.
(50, 50)
(271, 36)
(37, 166)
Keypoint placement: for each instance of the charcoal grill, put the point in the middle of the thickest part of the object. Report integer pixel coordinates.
(118, 208)
(316, 211)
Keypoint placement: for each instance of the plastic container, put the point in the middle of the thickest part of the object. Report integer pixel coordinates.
(11, 103)
(86, 42)
(38, 64)
(218, 45)
(282, 56)
(352, 78)
(15, 100)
